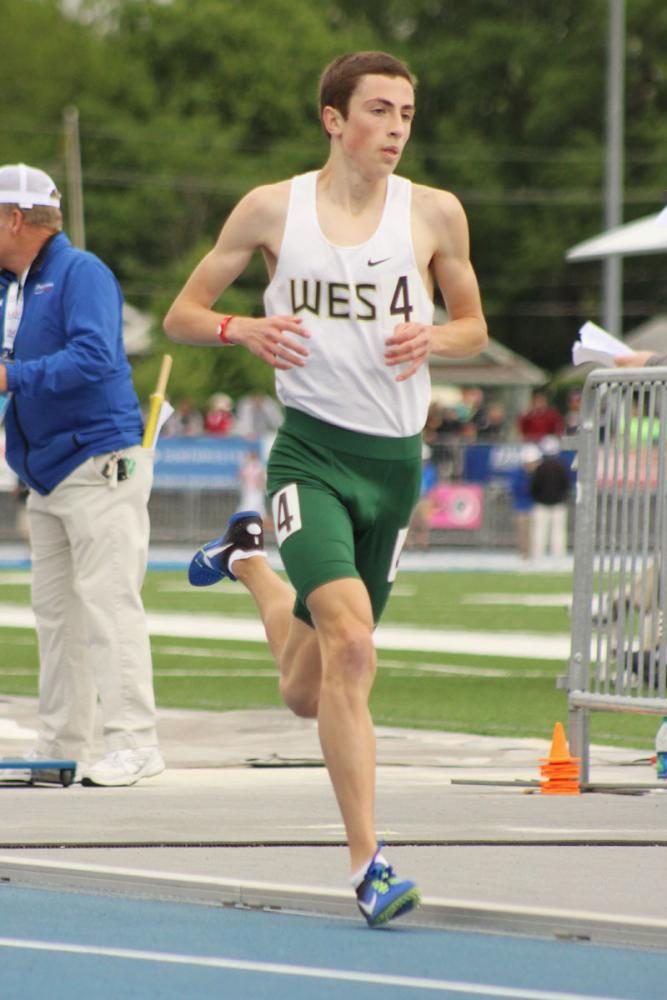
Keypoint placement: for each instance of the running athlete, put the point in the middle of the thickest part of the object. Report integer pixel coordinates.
(353, 254)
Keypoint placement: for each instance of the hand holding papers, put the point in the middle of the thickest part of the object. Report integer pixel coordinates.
(597, 345)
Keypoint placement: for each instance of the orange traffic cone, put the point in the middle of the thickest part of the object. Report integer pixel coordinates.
(559, 749)
(560, 771)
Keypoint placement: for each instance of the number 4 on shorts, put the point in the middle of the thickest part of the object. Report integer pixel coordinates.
(286, 512)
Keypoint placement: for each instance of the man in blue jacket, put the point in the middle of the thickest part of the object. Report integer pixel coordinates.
(73, 435)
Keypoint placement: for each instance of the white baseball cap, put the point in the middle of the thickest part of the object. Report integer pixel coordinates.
(27, 186)
(530, 453)
(550, 445)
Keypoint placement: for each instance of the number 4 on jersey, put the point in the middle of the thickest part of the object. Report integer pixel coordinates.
(286, 512)
(400, 302)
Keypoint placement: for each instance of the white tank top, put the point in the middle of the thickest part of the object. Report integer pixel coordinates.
(350, 300)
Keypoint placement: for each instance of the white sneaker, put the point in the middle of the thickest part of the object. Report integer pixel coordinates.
(125, 767)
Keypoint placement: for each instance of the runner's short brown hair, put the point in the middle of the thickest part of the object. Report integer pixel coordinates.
(340, 78)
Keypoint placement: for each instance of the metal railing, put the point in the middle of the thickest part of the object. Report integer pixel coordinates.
(190, 516)
(618, 649)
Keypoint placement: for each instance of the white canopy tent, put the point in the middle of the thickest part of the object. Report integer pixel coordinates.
(644, 236)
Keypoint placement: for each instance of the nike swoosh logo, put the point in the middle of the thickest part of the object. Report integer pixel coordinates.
(374, 263)
(368, 907)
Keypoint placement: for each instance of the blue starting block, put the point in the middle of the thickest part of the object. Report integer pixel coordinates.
(44, 770)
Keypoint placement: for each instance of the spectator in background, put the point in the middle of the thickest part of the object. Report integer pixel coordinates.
(550, 490)
(449, 426)
(420, 522)
(572, 414)
(252, 480)
(492, 428)
(185, 421)
(258, 416)
(541, 419)
(433, 424)
(469, 433)
(522, 498)
(219, 417)
(431, 435)
(472, 408)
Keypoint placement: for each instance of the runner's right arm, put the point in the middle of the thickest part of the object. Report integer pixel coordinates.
(192, 319)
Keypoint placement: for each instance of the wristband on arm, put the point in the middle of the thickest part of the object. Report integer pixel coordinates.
(222, 331)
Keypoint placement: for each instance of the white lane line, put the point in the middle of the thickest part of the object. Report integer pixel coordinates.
(299, 971)
(532, 645)
(21, 578)
(213, 652)
(521, 600)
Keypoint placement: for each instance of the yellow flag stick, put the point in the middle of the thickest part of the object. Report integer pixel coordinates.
(156, 401)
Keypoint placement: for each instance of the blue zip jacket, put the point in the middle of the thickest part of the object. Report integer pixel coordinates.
(71, 382)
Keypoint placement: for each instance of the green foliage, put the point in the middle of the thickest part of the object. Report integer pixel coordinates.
(185, 106)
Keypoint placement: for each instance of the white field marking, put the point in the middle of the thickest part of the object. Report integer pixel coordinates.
(298, 971)
(461, 670)
(524, 600)
(413, 672)
(220, 672)
(10, 579)
(219, 653)
(398, 668)
(213, 653)
(415, 669)
(402, 590)
(416, 672)
(531, 645)
(446, 671)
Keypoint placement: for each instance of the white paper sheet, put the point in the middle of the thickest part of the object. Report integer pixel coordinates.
(596, 345)
(166, 411)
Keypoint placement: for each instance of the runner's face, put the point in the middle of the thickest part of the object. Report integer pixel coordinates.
(379, 120)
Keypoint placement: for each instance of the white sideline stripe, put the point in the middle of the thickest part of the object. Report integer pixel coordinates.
(521, 600)
(299, 971)
(236, 888)
(531, 645)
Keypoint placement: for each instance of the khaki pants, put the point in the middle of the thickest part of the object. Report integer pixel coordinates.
(523, 520)
(549, 530)
(89, 540)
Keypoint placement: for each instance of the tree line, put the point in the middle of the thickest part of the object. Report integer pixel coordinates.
(185, 105)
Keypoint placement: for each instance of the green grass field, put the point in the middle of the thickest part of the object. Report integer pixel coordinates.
(475, 691)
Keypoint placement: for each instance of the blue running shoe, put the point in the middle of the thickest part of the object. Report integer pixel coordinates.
(211, 563)
(382, 897)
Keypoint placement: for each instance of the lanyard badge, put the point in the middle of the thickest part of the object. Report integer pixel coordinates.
(13, 313)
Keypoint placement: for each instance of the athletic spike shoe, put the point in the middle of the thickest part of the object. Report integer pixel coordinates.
(382, 897)
(211, 563)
